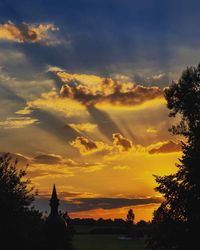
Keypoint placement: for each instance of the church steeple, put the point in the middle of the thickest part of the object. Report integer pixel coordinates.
(54, 201)
(55, 225)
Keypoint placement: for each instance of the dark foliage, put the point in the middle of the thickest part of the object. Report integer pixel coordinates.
(176, 222)
(109, 226)
(20, 224)
(130, 217)
(129, 223)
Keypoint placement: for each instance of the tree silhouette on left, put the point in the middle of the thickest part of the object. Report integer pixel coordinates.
(20, 223)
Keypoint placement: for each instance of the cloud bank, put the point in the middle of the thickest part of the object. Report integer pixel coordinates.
(122, 144)
(91, 90)
(84, 204)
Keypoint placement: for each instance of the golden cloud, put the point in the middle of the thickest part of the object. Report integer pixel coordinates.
(24, 32)
(83, 127)
(91, 90)
(87, 146)
(122, 144)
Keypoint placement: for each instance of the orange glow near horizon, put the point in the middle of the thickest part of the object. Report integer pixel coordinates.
(142, 212)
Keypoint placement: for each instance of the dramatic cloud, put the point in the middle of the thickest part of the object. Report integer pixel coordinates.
(87, 146)
(41, 33)
(165, 147)
(17, 122)
(121, 142)
(91, 90)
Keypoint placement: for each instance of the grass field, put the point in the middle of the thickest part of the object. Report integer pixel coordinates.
(106, 242)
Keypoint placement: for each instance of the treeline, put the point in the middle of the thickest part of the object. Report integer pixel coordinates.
(109, 226)
(106, 222)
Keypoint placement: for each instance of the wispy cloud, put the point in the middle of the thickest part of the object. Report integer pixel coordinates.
(83, 127)
(17, 122)
(52, 102)
(165, 147)
(47, 159)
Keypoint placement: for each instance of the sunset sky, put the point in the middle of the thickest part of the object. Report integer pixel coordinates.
(81, 95)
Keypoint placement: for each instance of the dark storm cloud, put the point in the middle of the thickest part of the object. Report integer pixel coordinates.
(110, 203)
(84, 204)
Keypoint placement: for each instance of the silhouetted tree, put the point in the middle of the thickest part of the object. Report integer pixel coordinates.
(175, 224)
(20, 224)
(130, 217)
(129, 222)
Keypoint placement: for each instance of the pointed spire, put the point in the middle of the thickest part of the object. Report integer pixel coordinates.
(54, 201)
(54, 193)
